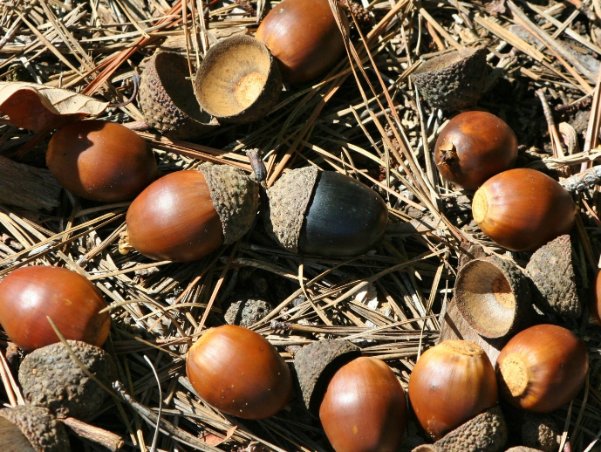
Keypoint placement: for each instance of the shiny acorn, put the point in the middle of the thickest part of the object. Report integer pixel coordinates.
(324, 213)
(188, 214)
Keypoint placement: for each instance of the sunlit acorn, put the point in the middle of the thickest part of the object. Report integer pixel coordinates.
(239, 372)
(324, 213)
(27, 428)
(188, 214)
(542, 368)
(363, 408)
(474, 146)
(596, 308)
(304, 37)
(521, 209)
(29, 296)
(100, 161)
(451, 383)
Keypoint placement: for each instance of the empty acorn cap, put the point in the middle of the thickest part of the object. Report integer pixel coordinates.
(494, 296)
(316, 363)
(27, 428)
(167, 98)
(235, 197)
(238, 81)
(454, 80)
(551, 268)
(50, 378)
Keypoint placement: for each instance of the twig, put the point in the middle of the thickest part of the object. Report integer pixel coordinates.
(97, 435)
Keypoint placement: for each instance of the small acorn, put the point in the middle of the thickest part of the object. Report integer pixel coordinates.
(27, 428)
(188, 214)
(324, 213)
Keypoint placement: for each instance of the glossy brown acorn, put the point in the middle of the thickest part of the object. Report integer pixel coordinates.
(31, 295)
(239, 372)
(542, 368)
(596, 308)
(101, 161)
(363, 408)
(303, 36)
(474, 146)
(522, 209)
(451, 383)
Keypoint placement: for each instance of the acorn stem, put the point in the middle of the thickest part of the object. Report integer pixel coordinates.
(479, 206)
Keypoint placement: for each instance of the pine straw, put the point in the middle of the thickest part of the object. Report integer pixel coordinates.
(364, 119)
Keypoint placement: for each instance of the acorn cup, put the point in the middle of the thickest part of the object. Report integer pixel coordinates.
(167, 98)
(238, 81)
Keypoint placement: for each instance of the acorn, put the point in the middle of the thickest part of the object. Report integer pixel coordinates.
(239, 372)
(29, 296)
(474, 146)
(521, 209)
(167, 98)
(596, 308)
(451, 383)
(304, 37)
(100, 160)
(542, 368)
(238, 80)
(188, 214)
(324, 213)
(363, 408)
(50, 377)
(26, 428)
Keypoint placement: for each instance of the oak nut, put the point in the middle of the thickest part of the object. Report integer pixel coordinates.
(188, 214)
(364, 407)
(304, 37)
(324, 213)
(542, 368)
(451, 383)
(596, 308)
(521, 209)
(474, 146)
(29, 296)
(239, 372)
(27, 428)
(100, 161)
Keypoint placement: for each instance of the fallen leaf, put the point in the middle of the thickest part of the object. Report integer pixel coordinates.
(37, 107)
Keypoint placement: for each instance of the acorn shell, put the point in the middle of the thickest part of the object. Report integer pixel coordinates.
(324, 213)
(238, 80)
(167, 98)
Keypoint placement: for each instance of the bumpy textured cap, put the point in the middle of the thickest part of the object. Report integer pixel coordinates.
(44, 432)
(316, 363)
(167, 98)
(235, 196)
(51, 378)
(247, 312)
(551, 269)
(454, 80)
(288, 200)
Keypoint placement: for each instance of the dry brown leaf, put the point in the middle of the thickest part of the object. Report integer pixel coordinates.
(38, 107)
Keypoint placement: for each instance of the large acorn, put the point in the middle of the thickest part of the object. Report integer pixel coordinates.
(324, 213)
(187, 214)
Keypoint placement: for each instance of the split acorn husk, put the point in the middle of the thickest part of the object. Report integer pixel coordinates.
(324, 213)
(238, 81)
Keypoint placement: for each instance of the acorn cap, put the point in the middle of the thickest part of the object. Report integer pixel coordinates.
(551, 268)
(50, 378)
(238, 81)
(235, 197)
(247, 312)
(494, 296)
(25, 427)
(167, 98)
(289, 198)
(316, 363)
(454, 80)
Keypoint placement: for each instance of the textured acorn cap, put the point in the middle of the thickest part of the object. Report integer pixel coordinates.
(288, 200)
(167, 98)
(454, 80)
(50, 378)
(238, 81)
(316, 363)
(235, 197)
(494, 296)
(551, 268)
(247, 312)
(26, 428)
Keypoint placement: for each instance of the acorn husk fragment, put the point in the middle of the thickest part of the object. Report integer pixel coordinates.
(247, 312)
